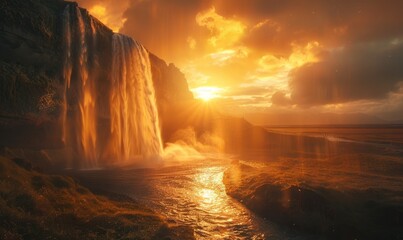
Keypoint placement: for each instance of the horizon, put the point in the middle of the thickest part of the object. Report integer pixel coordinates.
(260, 57)
(278, 120)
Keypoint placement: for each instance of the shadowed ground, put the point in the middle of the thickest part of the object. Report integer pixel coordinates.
(39, 206)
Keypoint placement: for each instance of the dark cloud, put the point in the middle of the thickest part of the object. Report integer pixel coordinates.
(363, 71)
(279, 98)
(359, 60)
(165, 26)
(331, 22)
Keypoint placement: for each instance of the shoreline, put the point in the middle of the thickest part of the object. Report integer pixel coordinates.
(35, 205)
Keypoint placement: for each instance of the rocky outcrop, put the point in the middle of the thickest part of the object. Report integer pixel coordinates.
(172, 93)
(170, 83)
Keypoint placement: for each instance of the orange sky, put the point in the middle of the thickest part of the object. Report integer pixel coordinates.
(269, 56)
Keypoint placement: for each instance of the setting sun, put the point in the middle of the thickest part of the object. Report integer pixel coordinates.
(201, 119)
(206, 93)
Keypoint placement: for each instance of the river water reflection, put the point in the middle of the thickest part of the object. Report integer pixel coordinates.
(191, 194)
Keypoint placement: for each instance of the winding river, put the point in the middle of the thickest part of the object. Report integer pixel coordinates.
(190, 193)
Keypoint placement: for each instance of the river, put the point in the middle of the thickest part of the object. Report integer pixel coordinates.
(190, 193)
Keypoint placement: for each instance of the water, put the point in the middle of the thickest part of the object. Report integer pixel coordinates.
(133, 130)
(367, 169)
(134, 115)
(79, 33)
(191, 194)
(391, 134)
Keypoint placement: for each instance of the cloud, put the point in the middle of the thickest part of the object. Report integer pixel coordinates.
(224, 32)
(107, 11)
(247, 91)
(172, 28)
(167, 28)
(356, 72)
(280, 98)
(301, 53)
(275, 25)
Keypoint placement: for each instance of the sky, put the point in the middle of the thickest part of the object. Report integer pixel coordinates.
(275, 57)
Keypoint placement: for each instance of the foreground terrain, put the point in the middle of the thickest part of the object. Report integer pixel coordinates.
(34, 205)
(340, 182)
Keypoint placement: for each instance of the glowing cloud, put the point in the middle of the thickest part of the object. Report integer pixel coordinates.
(107, 11)
(251, 48)
(225, 32)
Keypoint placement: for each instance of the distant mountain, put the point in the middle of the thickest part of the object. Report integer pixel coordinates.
(311, 118)
(397, 121)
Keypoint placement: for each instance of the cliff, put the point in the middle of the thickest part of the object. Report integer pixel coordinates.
(32, 85)
(31, 78)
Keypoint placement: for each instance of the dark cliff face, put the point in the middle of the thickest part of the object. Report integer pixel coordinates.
(170, 83)
(31, 80)
(29, 67)
(173, 96)
(29, 61)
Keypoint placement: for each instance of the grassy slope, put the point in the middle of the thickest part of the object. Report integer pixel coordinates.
(38, 206)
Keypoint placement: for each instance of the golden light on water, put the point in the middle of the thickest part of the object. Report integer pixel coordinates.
(211, 186)
(206, 93)
(219, 216)
(210, 194)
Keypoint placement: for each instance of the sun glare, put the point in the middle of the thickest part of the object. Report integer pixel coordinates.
(206, 93)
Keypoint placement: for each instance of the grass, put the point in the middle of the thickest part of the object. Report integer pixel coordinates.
(39, 206)
(326, 211)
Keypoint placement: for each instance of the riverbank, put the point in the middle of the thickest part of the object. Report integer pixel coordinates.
(325, 212)
(34, 205)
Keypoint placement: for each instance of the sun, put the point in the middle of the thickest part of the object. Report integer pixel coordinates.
(206, 93)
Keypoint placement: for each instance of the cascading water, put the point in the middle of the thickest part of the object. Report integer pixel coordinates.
(133, 116)
(67, 68)
(77, 71)
(87, 102)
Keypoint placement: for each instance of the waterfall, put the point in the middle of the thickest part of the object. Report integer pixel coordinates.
(87, 113)
(134, 130)
(79, 85)
(67, 68)
(134, 116)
